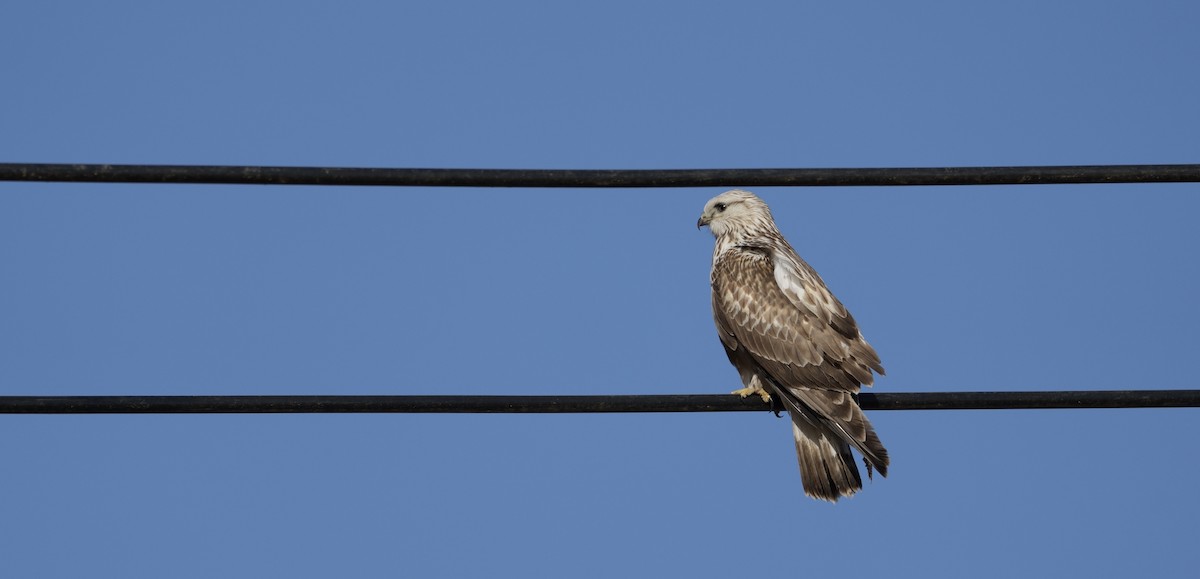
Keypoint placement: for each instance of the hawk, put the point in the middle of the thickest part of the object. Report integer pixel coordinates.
(793, 342)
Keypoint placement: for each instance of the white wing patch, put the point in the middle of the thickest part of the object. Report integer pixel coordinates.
(800, 289)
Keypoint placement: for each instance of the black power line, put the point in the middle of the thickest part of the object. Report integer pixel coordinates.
(251, 175)
(577, 404)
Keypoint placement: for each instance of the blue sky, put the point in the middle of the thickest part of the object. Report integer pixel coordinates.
(176, 289)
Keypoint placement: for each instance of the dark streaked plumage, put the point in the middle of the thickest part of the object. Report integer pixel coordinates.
(790, 339)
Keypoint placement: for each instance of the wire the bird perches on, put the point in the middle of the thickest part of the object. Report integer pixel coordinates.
(580, 404)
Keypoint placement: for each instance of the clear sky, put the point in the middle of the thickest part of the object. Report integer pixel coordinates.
(170, 289)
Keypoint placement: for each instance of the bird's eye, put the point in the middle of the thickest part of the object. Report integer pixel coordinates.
(720, 207)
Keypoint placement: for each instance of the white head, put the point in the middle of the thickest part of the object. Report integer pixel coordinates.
(736, 212)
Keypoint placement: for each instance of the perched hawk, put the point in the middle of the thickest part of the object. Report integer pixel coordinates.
(793, 342)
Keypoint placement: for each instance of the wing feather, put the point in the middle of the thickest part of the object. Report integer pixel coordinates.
(795, 343)
(805, 289)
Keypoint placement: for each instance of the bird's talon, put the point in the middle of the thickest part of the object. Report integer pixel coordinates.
(747, 391)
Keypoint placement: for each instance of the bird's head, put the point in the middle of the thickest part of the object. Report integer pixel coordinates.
(734, 211)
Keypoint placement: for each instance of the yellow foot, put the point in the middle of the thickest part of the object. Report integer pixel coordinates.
(744, 392)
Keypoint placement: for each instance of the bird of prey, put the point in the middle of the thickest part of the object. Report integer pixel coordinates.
(793, 342)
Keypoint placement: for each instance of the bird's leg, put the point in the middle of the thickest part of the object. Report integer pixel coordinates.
(755, 387)
(744, 392)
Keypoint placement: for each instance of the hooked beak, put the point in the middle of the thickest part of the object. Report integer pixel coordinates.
(704, 220)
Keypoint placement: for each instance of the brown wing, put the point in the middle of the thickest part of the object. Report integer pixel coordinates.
(814, 347)
(788, 326)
